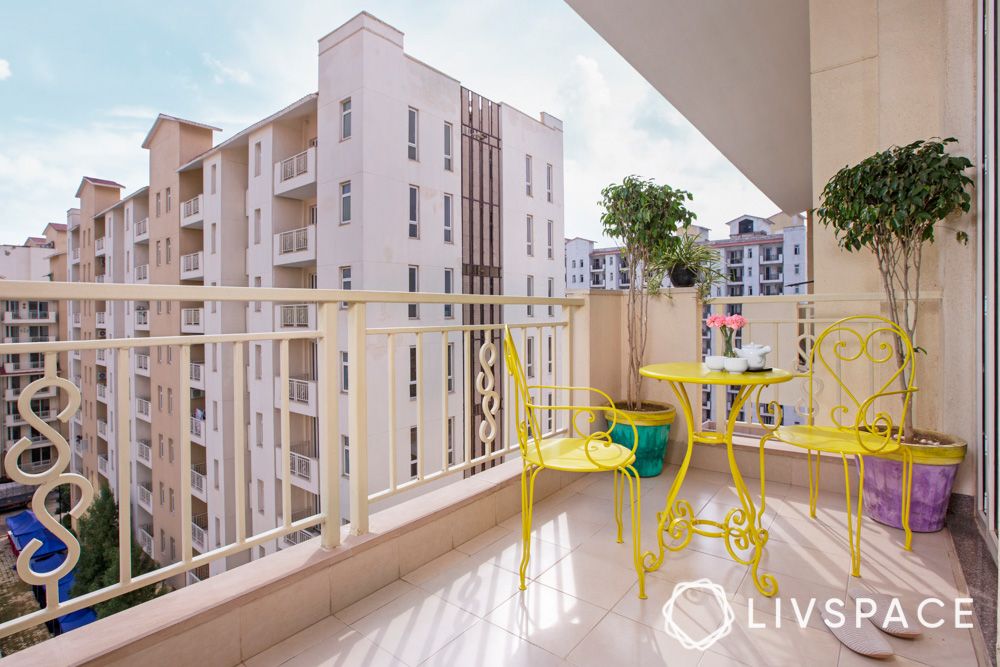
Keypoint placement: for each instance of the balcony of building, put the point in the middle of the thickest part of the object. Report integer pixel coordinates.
(142, 364)
(25, 366)
(29, 338)
(192, 266)
(100, 244)
(102, 465)
(427, 565)
(143, 452)
(101, 319)
(76, 319)
(295, 176)
(143, 409)
(295, 247)
(192, 216)
(196, 427)
(197, 375)
(199, 481)
(13, 393)
(295, 316)
(144, 536)
(74, 256)
(101, 357)
(102, 392)
(773, 255)
(28, 316)
(192, 320)
(142, 319)
(141, 274)
(140, 232)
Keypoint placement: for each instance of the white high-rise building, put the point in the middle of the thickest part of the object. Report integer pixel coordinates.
(392, 176)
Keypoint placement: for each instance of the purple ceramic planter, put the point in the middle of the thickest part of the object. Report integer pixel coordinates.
(883, 497)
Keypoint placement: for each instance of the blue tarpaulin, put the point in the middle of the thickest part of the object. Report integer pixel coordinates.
(76, 619)
(50, 543)
(22, 523)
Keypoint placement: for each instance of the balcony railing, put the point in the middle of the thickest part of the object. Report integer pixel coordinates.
(141, 231)
(76, 254)
(142, 273)
(191, 213)
(295, 177)
(432, 463)
(102, 428)
(30, 316)
(144, 535)
(197, 374)
(191, 267)
(102, 464)
(99, 246)
(199, 483)
(76, 319)
(102, 392)
(191, 320)
(142, 318)
(101, 319)
(144, 452)
(295, 315)
(142, 364)
(294, 166)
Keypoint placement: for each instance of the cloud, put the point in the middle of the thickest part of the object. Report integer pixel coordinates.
(4, 69)
(223, 72)
(133, 112)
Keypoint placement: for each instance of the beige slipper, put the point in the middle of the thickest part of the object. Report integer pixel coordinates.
(883, 605)
(866, 639)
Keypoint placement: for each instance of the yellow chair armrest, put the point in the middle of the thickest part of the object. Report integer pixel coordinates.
(882, 424)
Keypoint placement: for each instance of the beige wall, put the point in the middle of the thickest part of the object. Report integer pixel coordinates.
(887, 72)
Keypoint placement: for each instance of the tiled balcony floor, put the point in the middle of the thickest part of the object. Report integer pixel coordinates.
(581, 606)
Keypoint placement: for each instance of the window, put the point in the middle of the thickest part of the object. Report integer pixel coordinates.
(163, 494)
(259, 423)
(256, 158)
(170, 405)
(531, 292)
(451, 368)
(447, 147)
(550, 230)
(215, 415)
(163, 540)
(256, 225)
(345, 119)
(218, 532)
(449, 279)
(213, 237)
(345, 202)
(795, 249)
(257, 304)
(345, 456)
(529, 354)
(213, 178)
(530, 236)
(313, 215)
(170, 200)
(414, 452)
(413, 281)
(215, 472)
(527, 175)
(447, 220)
(795, 269)
(161, 445)
(344, 373)
(345, 281)
(171, 501)
(550, 364)
(548, 182)
(158, 256)
(411, 134)
(258, 358)
(451, 441)
(414, 226)
(551, 294)
(157, 204)
(159, 398)
(549, 414)
(413, 372)
(169, 246)
(260, 496)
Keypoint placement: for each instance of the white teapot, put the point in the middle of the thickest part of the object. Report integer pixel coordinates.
(756, 355)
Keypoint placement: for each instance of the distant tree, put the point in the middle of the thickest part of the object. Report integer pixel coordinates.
(98, 565)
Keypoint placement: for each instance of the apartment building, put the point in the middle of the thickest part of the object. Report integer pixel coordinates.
(38, 258)
(763, 256)
(588, 267)
(392, 176)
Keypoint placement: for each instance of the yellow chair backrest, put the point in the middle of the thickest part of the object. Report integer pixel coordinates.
(526, 424)
(869, 351)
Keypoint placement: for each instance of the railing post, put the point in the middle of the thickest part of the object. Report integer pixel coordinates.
(327, 402)
(123, 400)
(358, 416)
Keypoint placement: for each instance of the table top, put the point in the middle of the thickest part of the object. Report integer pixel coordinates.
(696, 372)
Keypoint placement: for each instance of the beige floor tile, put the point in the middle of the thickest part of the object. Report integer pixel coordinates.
(297, 643)
(548, 618)
(478, 588)
(603, 544)
(830, 536)
(590, 578)
(344, 648)
(506, 553)
(484, 539)
(946, 646)
(690, 564)
(713, 659)
(697, 613)
(488, 645)
(830, 569)
(621, 641)
(773, 646)
(849, 658)
(376, 600)
(415, 625)
(448, 561)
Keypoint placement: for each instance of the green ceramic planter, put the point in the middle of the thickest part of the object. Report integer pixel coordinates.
(653, 429)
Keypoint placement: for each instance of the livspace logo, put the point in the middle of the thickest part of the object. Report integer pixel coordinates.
(881, 610)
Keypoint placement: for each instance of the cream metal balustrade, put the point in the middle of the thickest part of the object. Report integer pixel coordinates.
(294, 166)
(295, 240)
(475, 378)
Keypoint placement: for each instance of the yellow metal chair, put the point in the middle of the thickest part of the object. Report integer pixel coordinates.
(574, 452)
(861, 426)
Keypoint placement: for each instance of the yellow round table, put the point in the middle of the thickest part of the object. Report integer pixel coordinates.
(742, 528)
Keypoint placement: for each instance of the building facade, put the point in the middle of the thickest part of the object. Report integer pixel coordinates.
(392, 176)
(38, 258)
(763, 256)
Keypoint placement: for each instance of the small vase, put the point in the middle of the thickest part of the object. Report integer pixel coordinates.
(715, 362)
(728, 340)
(736, 365)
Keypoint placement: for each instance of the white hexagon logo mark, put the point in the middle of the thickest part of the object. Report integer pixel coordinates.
(725, 627)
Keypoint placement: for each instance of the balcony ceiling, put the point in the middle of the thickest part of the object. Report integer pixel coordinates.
(737, 70)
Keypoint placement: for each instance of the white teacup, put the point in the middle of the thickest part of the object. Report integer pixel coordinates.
(715, 362)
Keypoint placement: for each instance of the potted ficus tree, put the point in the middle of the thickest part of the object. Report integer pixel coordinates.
(890, 204)
(645, 218)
